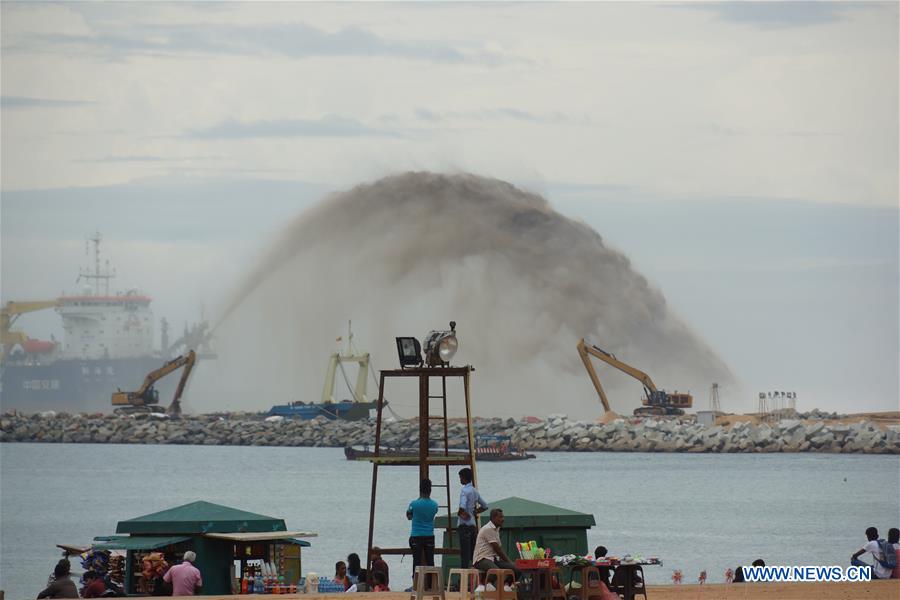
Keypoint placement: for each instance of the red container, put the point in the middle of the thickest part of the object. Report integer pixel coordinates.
(542, 563)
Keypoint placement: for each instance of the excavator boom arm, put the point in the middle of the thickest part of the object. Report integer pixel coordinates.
(174, 364)
(138, 398)
(610, 359)
(175, 406)
(592, 373)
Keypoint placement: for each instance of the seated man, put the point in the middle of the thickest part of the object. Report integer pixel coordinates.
(878, 570)
(489, 552)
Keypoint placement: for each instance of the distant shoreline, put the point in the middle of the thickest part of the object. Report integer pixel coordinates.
(556, 433)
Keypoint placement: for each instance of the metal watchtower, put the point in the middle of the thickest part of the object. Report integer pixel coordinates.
(439, 456)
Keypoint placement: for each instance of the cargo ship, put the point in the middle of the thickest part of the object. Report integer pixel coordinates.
(107, 345)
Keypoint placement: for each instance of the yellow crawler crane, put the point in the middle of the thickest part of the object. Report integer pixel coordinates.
(11, 311)
(655, 401)
(147, 396)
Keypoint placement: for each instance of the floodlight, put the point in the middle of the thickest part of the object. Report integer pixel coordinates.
(441, 346)
(410, 352)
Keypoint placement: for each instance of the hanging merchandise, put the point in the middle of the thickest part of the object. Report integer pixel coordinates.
(95, 561)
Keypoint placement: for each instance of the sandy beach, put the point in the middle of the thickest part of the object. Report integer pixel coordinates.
(873, 590)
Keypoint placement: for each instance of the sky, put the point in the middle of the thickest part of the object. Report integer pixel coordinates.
(744, 155)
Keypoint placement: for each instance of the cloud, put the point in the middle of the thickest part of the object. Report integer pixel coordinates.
(22, 102)
(777, 15)
(133, 158)
(327, 126)
(295, 40)
(490, 114)
(143, 158)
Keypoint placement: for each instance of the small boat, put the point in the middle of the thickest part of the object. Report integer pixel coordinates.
(488, 448)
(346, 410)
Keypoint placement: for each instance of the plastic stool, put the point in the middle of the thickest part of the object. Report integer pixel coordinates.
(466, 576)
(429, 584)
(642, 589)
(500, 576)
(559, 593)
(590, 584)
(539, 585)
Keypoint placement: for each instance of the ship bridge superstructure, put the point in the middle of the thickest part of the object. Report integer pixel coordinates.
(97, 327)
(100, 325)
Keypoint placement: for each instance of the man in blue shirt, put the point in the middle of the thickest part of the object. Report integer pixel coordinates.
(421, 512)
(470, 505)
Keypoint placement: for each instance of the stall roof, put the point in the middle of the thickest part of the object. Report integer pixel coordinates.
(519, 512)
(199, 518)
(138, 542)
(288, 536)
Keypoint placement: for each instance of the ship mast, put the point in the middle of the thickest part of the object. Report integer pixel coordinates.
(97, 276)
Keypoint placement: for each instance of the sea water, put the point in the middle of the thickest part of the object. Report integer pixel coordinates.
(693, 511)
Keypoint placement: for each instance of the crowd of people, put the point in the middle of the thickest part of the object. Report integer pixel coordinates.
(481, 549)
(183, 579)
(355, 578)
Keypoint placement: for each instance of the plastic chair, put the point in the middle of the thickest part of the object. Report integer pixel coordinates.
(499, 581)
(466, 577)
(429, 584)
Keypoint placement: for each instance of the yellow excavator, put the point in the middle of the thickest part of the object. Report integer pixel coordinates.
(655, 401)
(147, 396)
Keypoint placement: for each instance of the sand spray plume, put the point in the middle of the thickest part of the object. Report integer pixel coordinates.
(410, 252)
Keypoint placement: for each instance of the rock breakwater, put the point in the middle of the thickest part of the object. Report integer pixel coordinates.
(557, 433)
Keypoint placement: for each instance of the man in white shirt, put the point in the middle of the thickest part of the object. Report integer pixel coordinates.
(878, 571)
(489, 552)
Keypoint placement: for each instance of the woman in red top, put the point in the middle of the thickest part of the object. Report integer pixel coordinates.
(93, 585)
(894, 538)
(340, 574)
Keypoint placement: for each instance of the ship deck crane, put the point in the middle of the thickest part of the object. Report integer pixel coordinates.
(655, 401)
(147, 396)
(11, 311)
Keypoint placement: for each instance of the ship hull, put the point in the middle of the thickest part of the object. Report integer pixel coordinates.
(345, 410)
(75, 385)
(481, 454)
